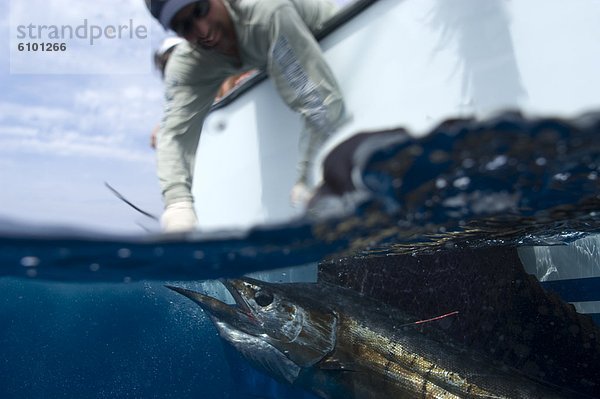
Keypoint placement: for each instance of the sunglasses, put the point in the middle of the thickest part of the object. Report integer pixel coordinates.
(185, 26)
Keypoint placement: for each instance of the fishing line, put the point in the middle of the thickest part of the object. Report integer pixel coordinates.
(432, 319)
(125, 200)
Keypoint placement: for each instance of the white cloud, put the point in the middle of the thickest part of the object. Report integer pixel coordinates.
(103, 118)
(19, 131)
(74, 145)
(19, 112)
(77, 132)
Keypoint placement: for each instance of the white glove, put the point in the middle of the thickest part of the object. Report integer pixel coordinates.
(300, 195)
(179, 217)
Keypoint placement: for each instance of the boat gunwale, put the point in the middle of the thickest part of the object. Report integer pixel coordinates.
(345, 15)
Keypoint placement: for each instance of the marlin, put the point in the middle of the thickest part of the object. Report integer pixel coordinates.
(338, 344)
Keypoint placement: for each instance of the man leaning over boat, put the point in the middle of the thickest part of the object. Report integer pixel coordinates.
(226, 37)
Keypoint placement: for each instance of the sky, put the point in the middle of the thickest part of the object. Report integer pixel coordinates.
(63, 135)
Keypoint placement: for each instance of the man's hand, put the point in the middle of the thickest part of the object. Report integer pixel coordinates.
(179, 217)
(154, 136)
(300, 195)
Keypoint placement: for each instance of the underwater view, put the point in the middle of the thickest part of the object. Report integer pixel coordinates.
(477, 276)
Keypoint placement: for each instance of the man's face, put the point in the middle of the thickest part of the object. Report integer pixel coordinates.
(205, 23)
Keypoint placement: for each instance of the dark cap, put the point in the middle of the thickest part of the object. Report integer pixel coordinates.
(165, 10)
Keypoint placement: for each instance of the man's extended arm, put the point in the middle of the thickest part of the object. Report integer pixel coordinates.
(189, 96)
(305, 82)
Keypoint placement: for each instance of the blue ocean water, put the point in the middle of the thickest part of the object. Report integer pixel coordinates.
(87, 315)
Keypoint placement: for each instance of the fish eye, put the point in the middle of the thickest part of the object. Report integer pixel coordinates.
(263, 298)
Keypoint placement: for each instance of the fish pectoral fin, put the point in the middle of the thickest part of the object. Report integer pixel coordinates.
(267, 358)
(337, 365)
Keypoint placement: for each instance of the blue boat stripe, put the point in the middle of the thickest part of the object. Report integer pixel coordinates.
(575, 290)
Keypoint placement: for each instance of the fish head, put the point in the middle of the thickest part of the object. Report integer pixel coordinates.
(275, 327)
